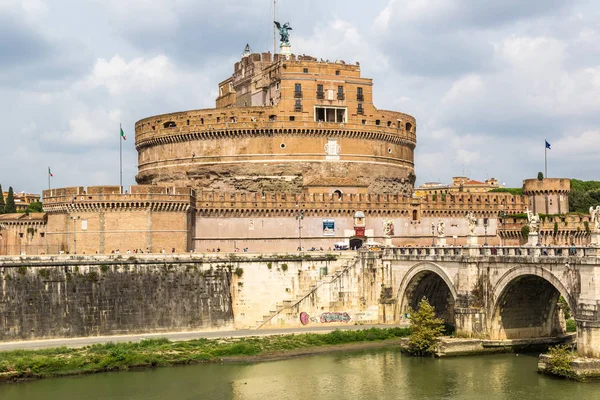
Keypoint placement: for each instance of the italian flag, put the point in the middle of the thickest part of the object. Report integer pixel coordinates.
(49, 172)
(123, 134)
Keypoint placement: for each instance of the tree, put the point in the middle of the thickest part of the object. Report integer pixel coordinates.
(540, 176)
(1, 200)
(525, 231)
(425, 329)
(10, 206)
(35, 206)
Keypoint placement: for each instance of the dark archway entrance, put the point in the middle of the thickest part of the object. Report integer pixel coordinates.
(355, 243)
(527, 308)
(430, 285)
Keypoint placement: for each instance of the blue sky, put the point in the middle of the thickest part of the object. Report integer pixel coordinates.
(488, 81)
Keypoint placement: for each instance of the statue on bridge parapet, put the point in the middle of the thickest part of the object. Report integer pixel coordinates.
(472, 221)
(595, 219)
(533, 220)
(441, 228)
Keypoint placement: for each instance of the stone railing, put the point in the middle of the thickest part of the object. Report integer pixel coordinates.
(493, 251)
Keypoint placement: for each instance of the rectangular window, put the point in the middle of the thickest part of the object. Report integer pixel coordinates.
(340, 93)
(305, 70)
(298, 106)
(337, 72)
(330, 114)
(359, 94)
(297, 90)
(360, 109)
(320, 93)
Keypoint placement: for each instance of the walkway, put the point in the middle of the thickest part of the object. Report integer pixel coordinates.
(175, 336)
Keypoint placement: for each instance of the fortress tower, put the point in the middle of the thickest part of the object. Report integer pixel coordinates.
(548, 196)
(283, 124)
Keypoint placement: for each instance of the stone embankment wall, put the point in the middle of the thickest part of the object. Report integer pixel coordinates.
(53, 297)
(69, 296)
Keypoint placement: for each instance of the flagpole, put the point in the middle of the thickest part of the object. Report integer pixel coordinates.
(545, 158)
(120, 159)
(48, 178)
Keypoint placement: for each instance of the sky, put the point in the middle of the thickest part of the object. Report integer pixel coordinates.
(488, 81)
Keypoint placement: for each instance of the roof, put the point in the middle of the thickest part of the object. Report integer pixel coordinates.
(359, 214)
(23, 217)
(473, 182)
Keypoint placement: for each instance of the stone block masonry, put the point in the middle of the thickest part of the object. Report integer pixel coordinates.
(50, 298)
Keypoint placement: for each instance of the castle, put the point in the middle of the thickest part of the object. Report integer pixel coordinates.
(294, 156)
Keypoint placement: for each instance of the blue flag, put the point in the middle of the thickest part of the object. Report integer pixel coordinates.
(548, 145)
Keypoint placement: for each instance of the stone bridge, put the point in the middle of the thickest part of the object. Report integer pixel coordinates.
(500, 293)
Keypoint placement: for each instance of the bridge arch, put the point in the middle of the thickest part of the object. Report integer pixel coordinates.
(525, 304)
(429, 280)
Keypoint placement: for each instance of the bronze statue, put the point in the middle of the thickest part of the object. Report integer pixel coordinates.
(283, 32)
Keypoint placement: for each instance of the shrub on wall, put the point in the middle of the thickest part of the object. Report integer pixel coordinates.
(284, 267)
(560, 360)
(525, 231)
(239, 271)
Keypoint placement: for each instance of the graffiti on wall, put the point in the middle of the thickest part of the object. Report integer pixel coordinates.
(325, 318)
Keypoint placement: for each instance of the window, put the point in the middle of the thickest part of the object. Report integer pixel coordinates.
(377, 122)
(282, 146)
(389, 124)
(298, 90)
(359, 94)
(360, 109)
(408, 127)
(169, 124)
(320, 93)
(292, 118)
(221, 91)
(305, 70)
(298, 106)
(337, 72)
(231, 86)
(340, 93)
(188, 122)
(364, 121)
(277, 86)
(272, 117)
(330, 114)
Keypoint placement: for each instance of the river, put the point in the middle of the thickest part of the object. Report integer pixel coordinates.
(367, 374)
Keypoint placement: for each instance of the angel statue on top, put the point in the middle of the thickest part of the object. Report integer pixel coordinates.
(283, 32)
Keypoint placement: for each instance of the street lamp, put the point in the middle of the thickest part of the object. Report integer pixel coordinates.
(299, 218)
(432, 234)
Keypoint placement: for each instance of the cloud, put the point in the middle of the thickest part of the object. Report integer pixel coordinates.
(487, 81)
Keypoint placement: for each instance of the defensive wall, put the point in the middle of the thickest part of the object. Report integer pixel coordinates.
(102, 219)
(257, 149)
(506, 293)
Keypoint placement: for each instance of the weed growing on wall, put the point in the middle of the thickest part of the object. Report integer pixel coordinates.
(284, 267)
(239, 271)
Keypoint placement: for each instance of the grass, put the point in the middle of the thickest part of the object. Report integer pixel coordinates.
(46, 363)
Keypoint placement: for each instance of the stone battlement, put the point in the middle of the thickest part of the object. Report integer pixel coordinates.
(546, 186)
(483, 204)
(222, 123)
(78, 198)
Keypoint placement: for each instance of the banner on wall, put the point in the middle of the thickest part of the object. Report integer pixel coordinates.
(328, 227)
(359, 231)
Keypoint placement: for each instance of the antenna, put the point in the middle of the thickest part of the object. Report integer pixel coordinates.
(274, 28)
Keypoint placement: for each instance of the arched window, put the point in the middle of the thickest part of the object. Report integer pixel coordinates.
(414, 215)
(408, 127)
(170, 124)
(337, 195)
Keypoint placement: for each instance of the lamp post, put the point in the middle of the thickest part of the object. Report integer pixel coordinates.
(485, 225)
(299, 218)
(432, 234)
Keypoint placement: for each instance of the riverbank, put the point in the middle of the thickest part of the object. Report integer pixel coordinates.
(18, 365)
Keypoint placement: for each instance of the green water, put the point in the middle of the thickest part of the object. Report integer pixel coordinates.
(376, 374)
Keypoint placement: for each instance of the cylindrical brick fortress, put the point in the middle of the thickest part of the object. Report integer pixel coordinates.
(295, 124)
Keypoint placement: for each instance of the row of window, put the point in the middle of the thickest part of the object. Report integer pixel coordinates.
(321, 92)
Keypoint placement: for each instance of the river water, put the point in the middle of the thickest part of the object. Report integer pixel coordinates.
(367, 374)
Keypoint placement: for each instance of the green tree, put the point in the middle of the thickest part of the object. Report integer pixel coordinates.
(425, 329)
(35, 206)
(10, 206)
(525, 231)
(2, 205)
(540, 176)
